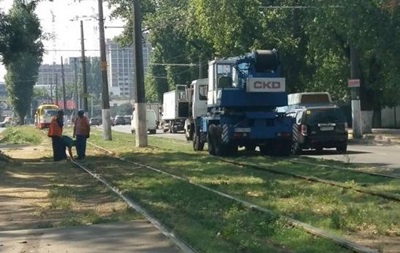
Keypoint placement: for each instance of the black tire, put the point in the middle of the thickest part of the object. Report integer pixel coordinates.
(296, 150)
(285, 148)
(211, 139)
(153, 131)
(319, 150)
(264, 150)
(198, 145)
(250, 147)
(342, 148)
(189, 135)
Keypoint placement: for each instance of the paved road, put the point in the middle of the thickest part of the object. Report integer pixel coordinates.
(376, 155)
(160, 133)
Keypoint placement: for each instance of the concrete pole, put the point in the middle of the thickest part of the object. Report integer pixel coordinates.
(84, 79)
(76, 89)
(63, 87)
(106, 114)
(56, 88)
(140, 103)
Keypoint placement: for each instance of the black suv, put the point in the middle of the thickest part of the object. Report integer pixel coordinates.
(319, 127)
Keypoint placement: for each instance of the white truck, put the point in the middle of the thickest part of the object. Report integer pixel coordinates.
(175, 109)
(156, 107)
(309, 98)
(197, 94)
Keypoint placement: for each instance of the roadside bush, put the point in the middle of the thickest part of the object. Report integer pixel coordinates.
(21, 135)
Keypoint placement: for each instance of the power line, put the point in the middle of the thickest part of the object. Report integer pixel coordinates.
(300, 7)
(175, 64)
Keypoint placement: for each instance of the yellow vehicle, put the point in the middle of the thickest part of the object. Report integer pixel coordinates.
(44, 114)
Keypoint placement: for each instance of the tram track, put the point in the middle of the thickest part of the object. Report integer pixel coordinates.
(343, 242)
(306, 227)
(299, 161)
(137, 207)
(394, 197)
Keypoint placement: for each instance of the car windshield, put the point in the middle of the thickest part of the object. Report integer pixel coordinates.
(324, 115)
(50, 112)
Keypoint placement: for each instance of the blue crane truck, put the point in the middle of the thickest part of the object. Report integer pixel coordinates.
(243, 95)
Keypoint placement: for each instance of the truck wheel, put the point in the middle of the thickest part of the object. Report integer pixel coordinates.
(342, 148)
(296, 150)
(198, 145)
(250, 147)
(228, 149)
(266, 149)
(189, 135)
(285, 148)
(211, 139)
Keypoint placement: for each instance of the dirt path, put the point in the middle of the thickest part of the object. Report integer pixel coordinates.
(36, 192)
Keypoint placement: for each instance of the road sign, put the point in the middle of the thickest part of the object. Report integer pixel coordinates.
(353, 83)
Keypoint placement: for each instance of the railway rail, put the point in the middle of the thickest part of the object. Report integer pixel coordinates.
(348, 244)
(384, 195)
(299, 160)
(186, 248)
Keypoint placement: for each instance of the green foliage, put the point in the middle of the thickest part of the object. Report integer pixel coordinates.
(21, 135)
(123, 109)
(94, 79)
(23, 55)
(313, 42)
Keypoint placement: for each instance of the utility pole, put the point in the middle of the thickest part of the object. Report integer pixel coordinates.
(84, 80)
(140, 103)
(76, 99)
(200, 68)
(105, 112)
(51, 92)
(56, 88)
(63, 87)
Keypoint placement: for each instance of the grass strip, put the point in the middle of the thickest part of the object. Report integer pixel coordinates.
(210, 223)
(339, 210)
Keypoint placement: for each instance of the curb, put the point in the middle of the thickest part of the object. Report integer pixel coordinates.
(376, 139)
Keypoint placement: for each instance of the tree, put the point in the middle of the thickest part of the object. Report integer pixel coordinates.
(313, 41)
(22, 65)
(94, 76)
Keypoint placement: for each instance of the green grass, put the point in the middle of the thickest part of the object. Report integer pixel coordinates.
(208, 222)
(21, 135)
(215, 224)
(339, 210)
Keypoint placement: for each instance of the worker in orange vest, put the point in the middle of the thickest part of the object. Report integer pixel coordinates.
(82, 133)
(55, 132)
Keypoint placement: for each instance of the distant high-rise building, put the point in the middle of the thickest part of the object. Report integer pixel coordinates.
(50, 74)
(121, 66)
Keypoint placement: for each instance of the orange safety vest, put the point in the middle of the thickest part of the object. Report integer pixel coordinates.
(54, 128)
(82, 126)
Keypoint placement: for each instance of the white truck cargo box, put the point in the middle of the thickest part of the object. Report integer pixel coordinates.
(309, 98)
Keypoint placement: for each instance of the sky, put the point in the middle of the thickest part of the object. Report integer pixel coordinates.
(66, 27)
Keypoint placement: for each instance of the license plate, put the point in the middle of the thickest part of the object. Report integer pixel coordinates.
(330, 128)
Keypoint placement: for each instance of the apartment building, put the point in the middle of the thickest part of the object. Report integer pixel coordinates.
(121, 65)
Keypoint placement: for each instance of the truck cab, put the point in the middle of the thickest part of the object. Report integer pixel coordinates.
(197, 94)
(243, 94)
